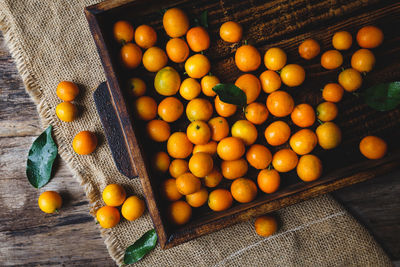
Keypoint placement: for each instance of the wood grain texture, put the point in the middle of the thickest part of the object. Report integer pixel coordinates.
(71, 238)
(369, 202)
(275, 23)
(13, 102)
(29, 237)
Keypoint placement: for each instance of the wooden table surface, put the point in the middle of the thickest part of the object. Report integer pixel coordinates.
(29, 237)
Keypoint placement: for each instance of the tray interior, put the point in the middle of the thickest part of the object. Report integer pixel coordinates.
(267, 24)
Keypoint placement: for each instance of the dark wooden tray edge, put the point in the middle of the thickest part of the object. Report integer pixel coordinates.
(135, 155)
(184, 234)
(113, 132)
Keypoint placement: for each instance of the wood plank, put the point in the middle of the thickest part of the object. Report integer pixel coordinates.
(18, 117)
(376, 204)
(27, 235)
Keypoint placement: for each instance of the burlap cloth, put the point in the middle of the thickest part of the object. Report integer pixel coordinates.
(50, 41)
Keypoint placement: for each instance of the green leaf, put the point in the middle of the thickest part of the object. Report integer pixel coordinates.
(40, 159)
(204, 19)
(384, 96)
(141, 247)
(230, 93)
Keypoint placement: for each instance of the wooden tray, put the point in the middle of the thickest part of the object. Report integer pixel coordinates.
(266, 24)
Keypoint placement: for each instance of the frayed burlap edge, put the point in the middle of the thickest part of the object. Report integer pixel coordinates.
(26, 72)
